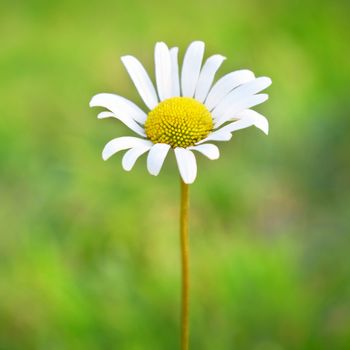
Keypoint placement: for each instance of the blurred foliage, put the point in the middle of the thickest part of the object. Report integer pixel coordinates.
(89, 253)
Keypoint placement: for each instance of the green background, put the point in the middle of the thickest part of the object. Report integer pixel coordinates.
(89, 254)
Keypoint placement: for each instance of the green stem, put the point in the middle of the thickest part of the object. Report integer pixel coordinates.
(184, 265)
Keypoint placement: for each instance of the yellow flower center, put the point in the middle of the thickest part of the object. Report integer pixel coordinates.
(179, 122)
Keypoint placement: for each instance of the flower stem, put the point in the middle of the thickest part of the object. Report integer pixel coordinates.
(184, 266)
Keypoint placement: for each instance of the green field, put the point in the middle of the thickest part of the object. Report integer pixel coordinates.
(89, 254)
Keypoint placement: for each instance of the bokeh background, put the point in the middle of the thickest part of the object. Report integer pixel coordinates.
(89, 254)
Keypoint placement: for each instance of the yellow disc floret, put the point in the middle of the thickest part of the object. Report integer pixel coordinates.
(179, 122)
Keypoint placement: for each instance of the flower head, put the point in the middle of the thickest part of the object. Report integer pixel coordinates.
(184, 113)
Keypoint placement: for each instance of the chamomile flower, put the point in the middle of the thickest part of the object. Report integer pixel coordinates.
(187, 111)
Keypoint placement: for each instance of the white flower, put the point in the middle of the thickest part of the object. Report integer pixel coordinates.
(184, 113)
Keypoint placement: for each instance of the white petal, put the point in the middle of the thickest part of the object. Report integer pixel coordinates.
(241, 92)
(247, 119)
(187, 164)
(254, 86)
(141, 80)
(120, 110)
(130, 123)
(237, 125)
(209, 150)
(120, 144)
(131, 156)
(163, 71)
(118, 104)
(105, 114)
(238, 106)
(207, 75)
(191, 68)
(156, 157)
(227, 83)
(217, 135)
(175, 71)
(256, 118)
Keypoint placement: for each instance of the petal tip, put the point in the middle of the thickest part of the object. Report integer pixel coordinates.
(126, 58)
(161, 43)
(92, 102)
(104, 155)
(268, 81)
(221, 57)
(188, 181)
(198, 42)
(152, 171)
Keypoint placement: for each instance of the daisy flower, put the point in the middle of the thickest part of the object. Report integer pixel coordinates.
(187, 111)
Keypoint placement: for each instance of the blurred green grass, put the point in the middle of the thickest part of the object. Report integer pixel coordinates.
(89, 253)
